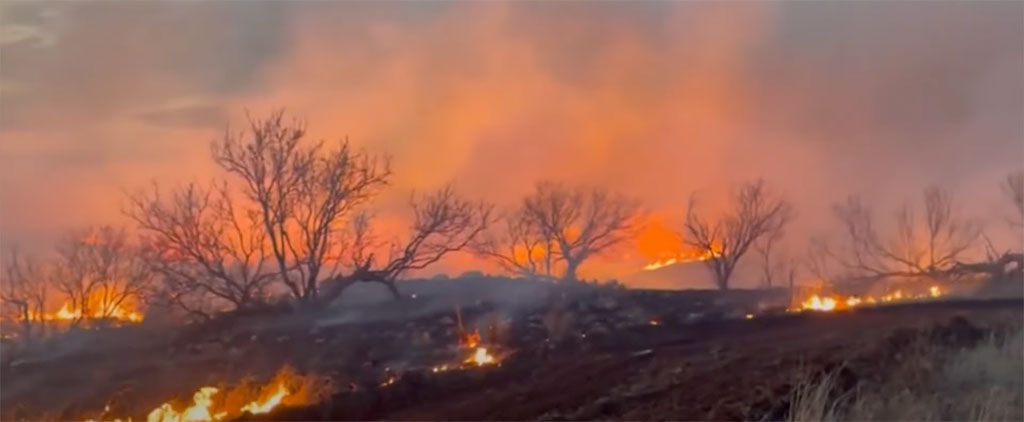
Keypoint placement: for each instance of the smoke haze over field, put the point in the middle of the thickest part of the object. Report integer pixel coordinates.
(656, 99)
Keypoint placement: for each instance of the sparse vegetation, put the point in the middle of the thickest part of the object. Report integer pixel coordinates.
(929, 381)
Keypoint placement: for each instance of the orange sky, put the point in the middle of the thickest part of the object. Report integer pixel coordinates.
(657, 100)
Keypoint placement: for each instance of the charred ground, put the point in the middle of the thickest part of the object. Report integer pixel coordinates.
(587, 352)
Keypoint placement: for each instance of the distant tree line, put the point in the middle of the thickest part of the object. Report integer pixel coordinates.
(291, 215)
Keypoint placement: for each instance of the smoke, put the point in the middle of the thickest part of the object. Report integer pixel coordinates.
(654, 99)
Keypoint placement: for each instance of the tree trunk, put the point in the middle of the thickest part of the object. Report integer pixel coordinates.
(393, 288)
(723, 278)
(570, 270)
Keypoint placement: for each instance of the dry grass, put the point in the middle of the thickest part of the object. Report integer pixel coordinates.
(812, 400)
(981, 383)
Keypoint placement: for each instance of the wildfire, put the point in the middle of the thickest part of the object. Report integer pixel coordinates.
(481, 357)
(472, 339)
(286, 387)
(258, 407)
(837, 302)
(96, 307)
(685, 257)
(69, 312)
(199, 411)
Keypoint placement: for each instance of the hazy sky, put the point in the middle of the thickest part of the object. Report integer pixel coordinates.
(656, 99)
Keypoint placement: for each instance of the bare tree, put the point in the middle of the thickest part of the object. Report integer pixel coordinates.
(916, 248)
(23, 292)
(755, 213)
(818, 260)
(1013, 188)
(521, 247)
(580, 223)
(773, 267)
(442, 223)
(204, 248)
(99, 273)
(304, 193)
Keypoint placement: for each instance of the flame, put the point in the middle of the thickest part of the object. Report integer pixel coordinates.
(481, 357)
(98, 308)
(198, 412)
(472, 339)
(837, 302)
(654, 322)
(818, 303)
(265, 406)
(692, 256)
(286, 387)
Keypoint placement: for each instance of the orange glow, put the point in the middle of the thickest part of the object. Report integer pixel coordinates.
(657, 242)
(202, 400)
(481, 357)
(207, 406)
(472, 339)
(267, 404)
(98, 308)
(816, 302)
(685, 257)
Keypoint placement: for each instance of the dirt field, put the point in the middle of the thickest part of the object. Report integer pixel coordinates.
(602, 365)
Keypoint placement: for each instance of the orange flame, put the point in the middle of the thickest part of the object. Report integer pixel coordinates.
(691, 256)
(199, 411)
(472, 339)
(837, 302)
(481, 357)
(70, 312)
(205, 408)
(265, 406)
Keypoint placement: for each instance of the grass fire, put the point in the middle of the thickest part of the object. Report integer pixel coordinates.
(349, 211)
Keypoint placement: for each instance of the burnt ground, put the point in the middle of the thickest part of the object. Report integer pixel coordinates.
(726, 370)
(590, 354)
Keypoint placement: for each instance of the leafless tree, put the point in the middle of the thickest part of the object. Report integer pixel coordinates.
(1013, 188)
(204, 248)
(774, 265)
(916, 247)
(755, 213)
(303, 191)
(519, 246)
(442, 223)
(23, 292)
(99, 272)
(579, 222)
(818, 261)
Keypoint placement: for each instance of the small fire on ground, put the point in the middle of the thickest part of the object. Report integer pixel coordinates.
(836, 302)
(208, 405)
(479, 356)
